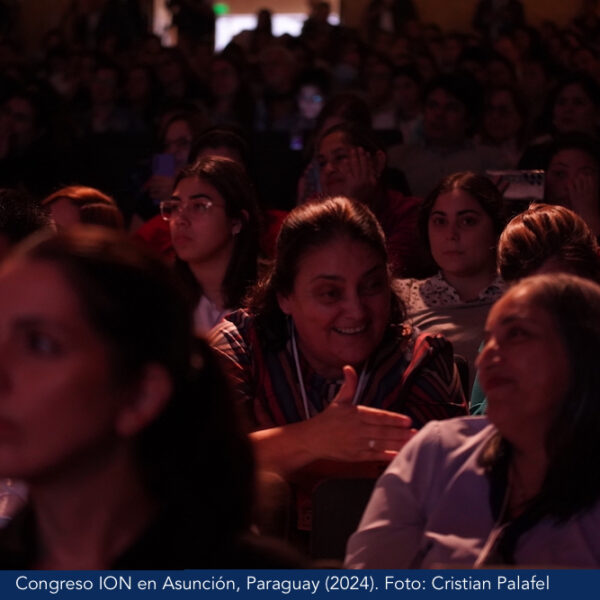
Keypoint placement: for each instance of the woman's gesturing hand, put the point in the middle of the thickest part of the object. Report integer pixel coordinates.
(344, 431)
(361, 177)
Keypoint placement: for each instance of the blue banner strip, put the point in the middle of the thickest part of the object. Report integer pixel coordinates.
(307, 584)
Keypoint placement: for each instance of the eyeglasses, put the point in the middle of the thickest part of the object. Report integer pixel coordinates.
(193, 209)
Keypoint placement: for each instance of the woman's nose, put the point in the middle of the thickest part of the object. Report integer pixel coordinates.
(452, 231)
(181, 215)
(327, 167)
(355, 306)
(489, 354)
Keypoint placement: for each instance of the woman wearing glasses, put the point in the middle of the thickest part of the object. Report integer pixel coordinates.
(213, 220)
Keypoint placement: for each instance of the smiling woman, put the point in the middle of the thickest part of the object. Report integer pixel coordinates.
(324, 364)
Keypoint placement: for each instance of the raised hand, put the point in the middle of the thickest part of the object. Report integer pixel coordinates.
(344, 431)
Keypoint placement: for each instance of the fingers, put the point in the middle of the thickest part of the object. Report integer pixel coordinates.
(360, 166)
(583, 192)
(348, 389)
(385, 438)
(376, 416)
(377, 455)
(384, 444)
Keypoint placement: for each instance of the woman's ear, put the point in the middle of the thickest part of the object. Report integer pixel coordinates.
(284, 304)
(145, 403)
(238, 224)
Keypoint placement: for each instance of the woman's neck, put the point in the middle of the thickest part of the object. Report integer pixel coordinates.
(470, 286)
(526, 476)
(210, 274)
(90, 515)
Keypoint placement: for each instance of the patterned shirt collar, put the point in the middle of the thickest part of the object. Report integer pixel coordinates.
(437, 286)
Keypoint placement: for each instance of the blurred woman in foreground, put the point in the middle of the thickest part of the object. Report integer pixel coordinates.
(111, 413)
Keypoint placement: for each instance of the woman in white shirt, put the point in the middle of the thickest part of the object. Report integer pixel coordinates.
(213, 220)
(460, 222)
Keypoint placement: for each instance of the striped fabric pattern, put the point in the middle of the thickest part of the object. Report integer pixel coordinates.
(414, 377)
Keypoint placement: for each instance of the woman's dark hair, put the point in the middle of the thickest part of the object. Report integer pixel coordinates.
(569, 487)
(80, 195)
(230, 137)
(243, 102)
(574, 141)
(231, 181)
(135, 303)
(411, 72)
(317, 77)
(307, 227)
(548, 232)
(346, 106)
(520, 106)
(106, 215)
(585, 82)
(466, 89)
(355, 135)
(194, 119)
(95, 207)
(20, 215)
(478, 186)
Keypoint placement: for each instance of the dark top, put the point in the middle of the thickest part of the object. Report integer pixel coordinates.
(164, 545)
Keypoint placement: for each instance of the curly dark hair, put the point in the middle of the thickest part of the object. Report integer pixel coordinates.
(548, 232)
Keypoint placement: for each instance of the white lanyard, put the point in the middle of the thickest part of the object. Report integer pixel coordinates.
(362, 380)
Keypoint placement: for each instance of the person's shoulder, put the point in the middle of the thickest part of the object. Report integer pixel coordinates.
(234, 326)
(397, 200)
(400, 153)
(428, 345)
(405, 286)
(450, 434)
(239, 319)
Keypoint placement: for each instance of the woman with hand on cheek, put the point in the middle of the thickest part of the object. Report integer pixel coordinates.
(573, 175)
(352, 164)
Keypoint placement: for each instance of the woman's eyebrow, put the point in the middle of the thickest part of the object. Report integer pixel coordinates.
(328, 277)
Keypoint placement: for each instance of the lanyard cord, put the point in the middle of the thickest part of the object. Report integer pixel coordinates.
(362, 380)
